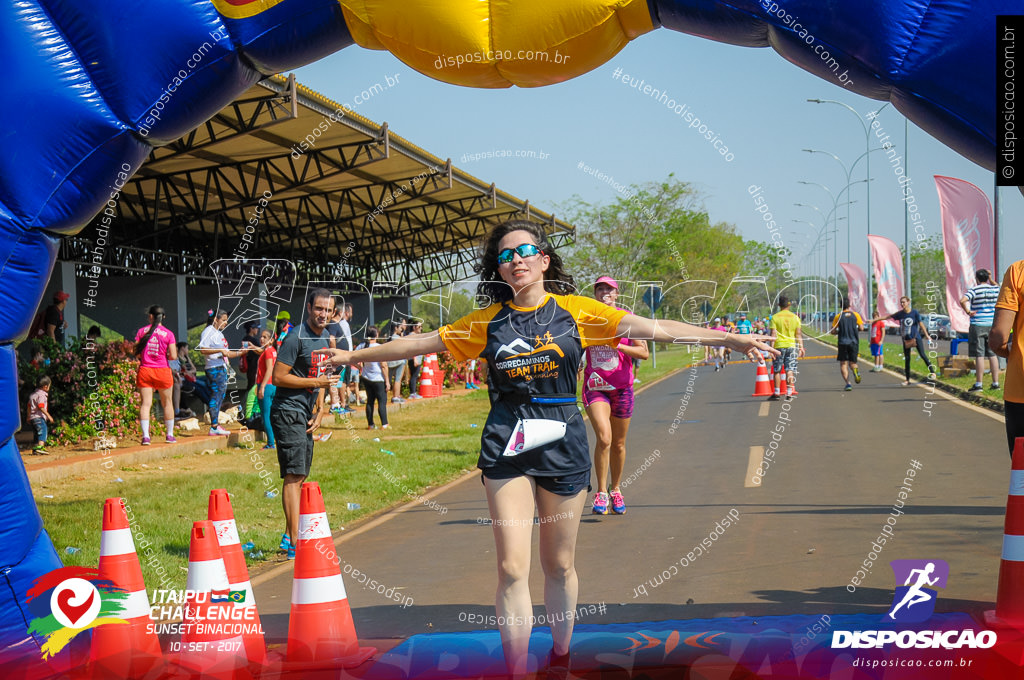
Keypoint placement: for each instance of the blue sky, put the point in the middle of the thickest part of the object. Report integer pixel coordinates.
(753, 100)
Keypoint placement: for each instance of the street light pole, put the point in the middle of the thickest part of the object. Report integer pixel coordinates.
(867, 152)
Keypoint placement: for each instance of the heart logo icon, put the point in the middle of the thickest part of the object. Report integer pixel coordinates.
(74, 612)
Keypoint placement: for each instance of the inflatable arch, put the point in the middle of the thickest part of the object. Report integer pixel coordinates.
(94, 84)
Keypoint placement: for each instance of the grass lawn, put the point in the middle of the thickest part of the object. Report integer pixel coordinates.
(166, 496)
(433, 442)
(892, 354)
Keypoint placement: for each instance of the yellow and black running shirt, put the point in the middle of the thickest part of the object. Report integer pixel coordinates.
(533, 352)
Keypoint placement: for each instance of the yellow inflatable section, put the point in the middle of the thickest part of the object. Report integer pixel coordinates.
(498, 43)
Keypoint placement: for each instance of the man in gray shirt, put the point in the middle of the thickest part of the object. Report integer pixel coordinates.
(300, 378)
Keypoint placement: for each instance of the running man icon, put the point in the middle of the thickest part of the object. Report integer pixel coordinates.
(915, 595)
(916, 576)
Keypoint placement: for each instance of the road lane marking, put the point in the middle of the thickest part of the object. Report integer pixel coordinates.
(753, 463)
(763, 409)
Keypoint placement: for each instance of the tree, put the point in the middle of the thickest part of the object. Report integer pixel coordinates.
(928, 273)
(654, 232)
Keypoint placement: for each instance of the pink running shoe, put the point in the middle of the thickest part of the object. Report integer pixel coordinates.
(618, 504)
(600, 503)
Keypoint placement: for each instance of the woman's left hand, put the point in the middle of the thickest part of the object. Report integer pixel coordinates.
(749, 346)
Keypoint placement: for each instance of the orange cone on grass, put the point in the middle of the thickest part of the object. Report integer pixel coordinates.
(211, 641)
(762, 383)
(223, 518)
(320, 627)
(131, 650)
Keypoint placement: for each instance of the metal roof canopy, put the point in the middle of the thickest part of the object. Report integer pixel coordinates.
(189, 204)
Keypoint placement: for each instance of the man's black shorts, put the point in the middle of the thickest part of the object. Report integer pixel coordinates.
(846, 353)
(294, 444)
(1014, 423)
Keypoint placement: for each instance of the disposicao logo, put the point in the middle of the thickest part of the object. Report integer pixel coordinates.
(69, 600)
(914, 602)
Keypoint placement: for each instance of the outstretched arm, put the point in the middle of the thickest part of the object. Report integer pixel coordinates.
(402, 348)
(666, 330)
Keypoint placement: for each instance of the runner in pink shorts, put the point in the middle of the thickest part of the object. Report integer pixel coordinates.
(608, 398)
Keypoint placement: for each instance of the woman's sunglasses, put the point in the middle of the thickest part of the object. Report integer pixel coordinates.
(524, 250)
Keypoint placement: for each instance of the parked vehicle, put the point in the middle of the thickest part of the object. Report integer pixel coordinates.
(938, 326)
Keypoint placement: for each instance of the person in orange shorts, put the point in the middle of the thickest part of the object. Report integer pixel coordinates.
(154, 345)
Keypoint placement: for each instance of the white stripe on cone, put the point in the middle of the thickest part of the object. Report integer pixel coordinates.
(1017, 482)
(314, 525)
(206, 575)
(227, 534)
(116, 542)
(135, 605)
(1013, 548)
(318, 590)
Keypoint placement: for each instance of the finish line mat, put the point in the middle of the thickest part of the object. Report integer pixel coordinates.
(743, 647)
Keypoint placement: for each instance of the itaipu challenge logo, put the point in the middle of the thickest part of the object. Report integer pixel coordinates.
(70, 600)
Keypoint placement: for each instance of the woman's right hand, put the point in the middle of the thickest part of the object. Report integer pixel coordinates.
(259, 392)
(336, 357)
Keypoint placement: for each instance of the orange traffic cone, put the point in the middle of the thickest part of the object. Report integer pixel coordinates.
(320, 628)
(223, 518)
(428, 376)
(211, 641)
(125, 651)
(762, 384)
(1010, 594)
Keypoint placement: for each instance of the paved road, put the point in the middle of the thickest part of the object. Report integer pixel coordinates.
(802, 533)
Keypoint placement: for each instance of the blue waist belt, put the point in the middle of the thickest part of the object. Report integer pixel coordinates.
(547, 399)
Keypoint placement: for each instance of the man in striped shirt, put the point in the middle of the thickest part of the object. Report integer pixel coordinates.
(980, 305)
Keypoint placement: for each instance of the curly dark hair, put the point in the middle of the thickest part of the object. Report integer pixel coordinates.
(492, 288)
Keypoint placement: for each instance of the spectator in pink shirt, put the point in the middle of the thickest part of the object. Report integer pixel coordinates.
(154, 345)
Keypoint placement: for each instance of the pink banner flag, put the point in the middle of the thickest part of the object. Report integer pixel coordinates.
(888, 274)
(967, 241)
(857, 285)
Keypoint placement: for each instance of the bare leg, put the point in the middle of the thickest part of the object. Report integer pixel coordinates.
(844, 370)
(147, 402)
(167, 404)
(511, 503)
(291, 493)
(600, 414)
(620, 428)
(979, 368)
(994, 367)
(559, 523)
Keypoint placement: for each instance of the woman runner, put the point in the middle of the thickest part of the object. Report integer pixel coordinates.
(534, 452)
(913, 333)
(608, 398)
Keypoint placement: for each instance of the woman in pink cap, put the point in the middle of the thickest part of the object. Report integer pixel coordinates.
(608, 398)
